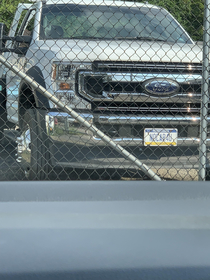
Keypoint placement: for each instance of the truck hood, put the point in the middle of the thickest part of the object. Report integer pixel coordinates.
(91, 50)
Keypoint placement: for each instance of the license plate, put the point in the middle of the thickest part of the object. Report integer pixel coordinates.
(160, 137)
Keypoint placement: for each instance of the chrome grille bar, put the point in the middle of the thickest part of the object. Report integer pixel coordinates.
(190, 67)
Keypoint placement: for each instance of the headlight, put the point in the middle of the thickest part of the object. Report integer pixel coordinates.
(63, 78)
(63, 73)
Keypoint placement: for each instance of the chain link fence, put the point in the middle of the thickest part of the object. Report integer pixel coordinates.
(102, 90)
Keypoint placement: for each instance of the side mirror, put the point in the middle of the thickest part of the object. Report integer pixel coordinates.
(20, 50)
(23, 39)
(2, 33)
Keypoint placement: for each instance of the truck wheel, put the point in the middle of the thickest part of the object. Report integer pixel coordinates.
(33, 150)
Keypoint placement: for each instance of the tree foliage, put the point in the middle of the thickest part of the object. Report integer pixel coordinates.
(7, 10)
(188, 12)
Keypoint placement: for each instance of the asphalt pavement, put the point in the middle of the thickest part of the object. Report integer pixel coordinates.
(11, 170)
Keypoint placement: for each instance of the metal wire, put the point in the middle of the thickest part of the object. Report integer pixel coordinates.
(96, 90)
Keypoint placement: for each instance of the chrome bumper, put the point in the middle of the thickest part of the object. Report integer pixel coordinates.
(73, 143)
(66, 122)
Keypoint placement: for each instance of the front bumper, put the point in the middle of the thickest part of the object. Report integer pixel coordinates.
(72, 144)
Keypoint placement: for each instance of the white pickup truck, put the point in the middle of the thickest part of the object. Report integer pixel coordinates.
(128, 68)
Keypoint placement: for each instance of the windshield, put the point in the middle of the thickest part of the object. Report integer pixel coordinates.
(110, 23)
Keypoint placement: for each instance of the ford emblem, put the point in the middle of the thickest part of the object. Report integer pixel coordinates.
(161, 87)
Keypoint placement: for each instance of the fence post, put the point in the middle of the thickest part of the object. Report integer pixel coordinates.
(205, 93)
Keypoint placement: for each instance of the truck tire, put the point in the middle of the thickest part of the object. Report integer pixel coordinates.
(33, 152)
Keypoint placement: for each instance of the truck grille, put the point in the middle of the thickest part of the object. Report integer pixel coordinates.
(119, 86)
(104, 66)
(142, 108)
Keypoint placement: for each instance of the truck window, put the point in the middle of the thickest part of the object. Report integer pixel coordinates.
(109, 22)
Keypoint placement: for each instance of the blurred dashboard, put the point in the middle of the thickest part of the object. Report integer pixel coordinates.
(105, 230)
